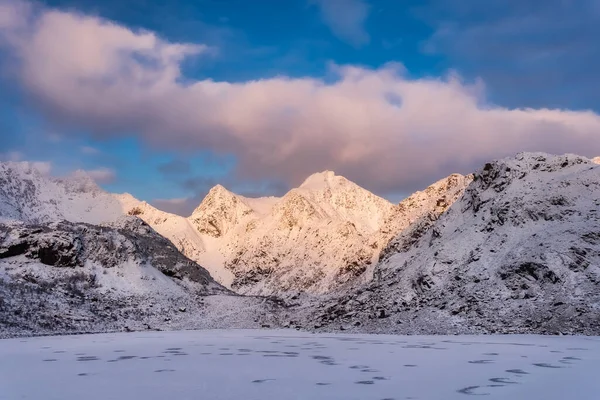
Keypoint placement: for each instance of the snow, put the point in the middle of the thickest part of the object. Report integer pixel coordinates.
(519, 251)
(322, 180)
(253, 365)
(318, 237)
(260, 205)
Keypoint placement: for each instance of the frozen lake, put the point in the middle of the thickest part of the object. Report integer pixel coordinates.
(285, 365)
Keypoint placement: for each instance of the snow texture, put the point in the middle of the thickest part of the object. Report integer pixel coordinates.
(234, 365)
(518, 252)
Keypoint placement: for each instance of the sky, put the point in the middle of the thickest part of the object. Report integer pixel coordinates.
(164, 99)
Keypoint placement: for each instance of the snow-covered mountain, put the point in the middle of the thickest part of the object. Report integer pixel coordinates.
(518, 252)
(27, 194)
(513, 248)
(318, 237)
(65, 276)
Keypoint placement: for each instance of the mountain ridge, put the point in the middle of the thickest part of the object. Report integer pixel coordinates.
(519, 251)
(329, 225)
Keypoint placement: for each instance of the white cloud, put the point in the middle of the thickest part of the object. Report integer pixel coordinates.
(101, 175)
(346, 19)
(378, 127)
(11, 156)
(89, 150)
(43, 167)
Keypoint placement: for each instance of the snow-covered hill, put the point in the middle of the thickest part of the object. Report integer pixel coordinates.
(318, 237)
(518, 252)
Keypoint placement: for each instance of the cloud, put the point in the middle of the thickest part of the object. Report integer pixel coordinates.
(101, 175)
(43, 167)
(181, 206)
(199, 184)
(548, 52)
(89, 150)
(378, 127)
(11, 156)
(175, 167)
(346, 19)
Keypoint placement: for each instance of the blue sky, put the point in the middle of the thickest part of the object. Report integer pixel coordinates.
(297, 72)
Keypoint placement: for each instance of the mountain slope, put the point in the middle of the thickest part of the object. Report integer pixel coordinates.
(325, 234)
(317, 238)
(28, 195)
(65, 276)
(518, 252)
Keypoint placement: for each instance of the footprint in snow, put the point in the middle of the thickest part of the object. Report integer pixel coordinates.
(87, 358)
(546, 365)
(471, 390)
(503, 380)
(517, 371)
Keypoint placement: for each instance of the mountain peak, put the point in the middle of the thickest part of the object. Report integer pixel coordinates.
(218, 195)
(322, 180)
(596, 160)
(219, 191)
(219, 212)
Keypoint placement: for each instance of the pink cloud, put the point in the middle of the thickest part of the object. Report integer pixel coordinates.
(378, 127)
(346, 19)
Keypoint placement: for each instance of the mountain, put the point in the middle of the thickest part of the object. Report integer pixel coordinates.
(320, 237)
(596, 160)
(519, 251)
(74, 258)
(515, 247)
(27, 194)
(323, 235)
(65, 276)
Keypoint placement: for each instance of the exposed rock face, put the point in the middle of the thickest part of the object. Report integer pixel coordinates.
(219, 212)
(129, 242)
(518, 252)
(65, 277)
(420, 210)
